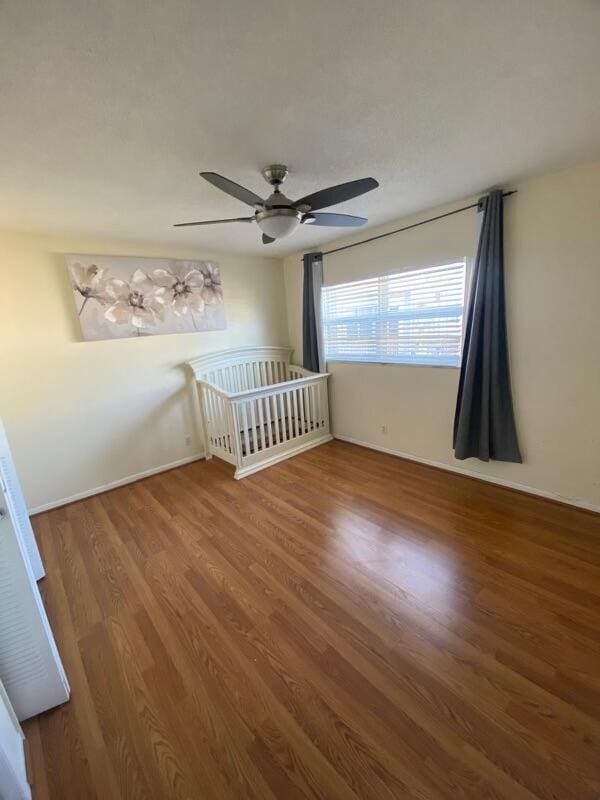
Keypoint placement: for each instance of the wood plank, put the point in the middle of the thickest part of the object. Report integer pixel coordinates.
(345, 625)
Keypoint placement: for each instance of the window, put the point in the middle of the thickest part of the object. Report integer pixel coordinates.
(412, 317)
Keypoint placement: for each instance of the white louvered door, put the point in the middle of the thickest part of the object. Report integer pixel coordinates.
(13, 775)
(15, 501)
(30, 666)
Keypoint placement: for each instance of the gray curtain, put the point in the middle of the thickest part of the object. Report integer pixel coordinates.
(484, 424)
(312, 353)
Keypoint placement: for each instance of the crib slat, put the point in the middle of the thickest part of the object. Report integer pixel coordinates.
(208, 416)
(225, 426)
(217, 420)
(318, 404)
(215, 415)
(306, 399)
(205, 408)
(222, 425)
(261, 421)
(289, 415)
(284, 436)
(313, 405)
(213, 419)
(256, 368)
(253, 423)
(268, 420)
(322, 402)
(229, 418)
(273, 399)
(245, 428)
(306, 410)
(301, 410)
(295, 415)
(219, 416)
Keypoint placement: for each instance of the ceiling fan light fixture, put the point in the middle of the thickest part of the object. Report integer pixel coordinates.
(278, 223)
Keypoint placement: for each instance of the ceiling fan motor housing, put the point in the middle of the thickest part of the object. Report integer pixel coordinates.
(275, 174)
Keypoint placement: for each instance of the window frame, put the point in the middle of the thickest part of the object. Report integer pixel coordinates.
(371, 362)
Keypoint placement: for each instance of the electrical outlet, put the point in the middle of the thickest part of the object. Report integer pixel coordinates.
(384, 428)
(188, 441)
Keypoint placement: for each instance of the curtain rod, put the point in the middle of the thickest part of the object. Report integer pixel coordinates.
(408, 227)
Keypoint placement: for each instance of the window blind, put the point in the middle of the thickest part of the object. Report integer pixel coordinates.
(412, 317)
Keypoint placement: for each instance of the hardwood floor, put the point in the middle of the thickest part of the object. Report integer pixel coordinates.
(343, 625)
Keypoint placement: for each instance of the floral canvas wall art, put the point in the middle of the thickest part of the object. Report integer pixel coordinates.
(121, 296)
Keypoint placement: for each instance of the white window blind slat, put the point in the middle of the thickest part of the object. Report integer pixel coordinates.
(412, 317)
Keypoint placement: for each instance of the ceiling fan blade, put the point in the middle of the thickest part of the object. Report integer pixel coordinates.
(234, 189)
(267, 239)
(335, 220)
(336, 194)
(213, 222)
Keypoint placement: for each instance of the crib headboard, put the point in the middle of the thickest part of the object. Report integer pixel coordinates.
(243, 368)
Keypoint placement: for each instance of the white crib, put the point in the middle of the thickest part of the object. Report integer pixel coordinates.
(257, 409)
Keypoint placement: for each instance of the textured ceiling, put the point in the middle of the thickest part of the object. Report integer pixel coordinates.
(109, 109)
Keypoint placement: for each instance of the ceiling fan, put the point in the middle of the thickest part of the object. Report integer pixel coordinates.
(278, 216)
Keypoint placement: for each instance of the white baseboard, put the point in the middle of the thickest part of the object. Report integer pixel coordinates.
(578, 503)
(520, 487)
(114, 484)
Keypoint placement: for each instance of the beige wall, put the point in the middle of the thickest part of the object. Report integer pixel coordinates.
(552, 239)
(81, 415)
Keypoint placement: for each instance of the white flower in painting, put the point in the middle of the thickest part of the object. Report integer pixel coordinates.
(213, 288)
(89, 282)
(183, 286)
(140, 302)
